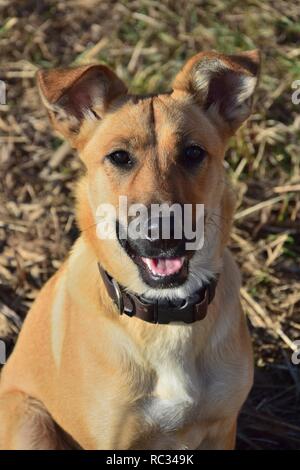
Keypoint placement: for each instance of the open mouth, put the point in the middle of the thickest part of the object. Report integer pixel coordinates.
(162, 272)
(163, 267)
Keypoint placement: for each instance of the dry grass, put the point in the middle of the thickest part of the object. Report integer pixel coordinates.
(146, 42)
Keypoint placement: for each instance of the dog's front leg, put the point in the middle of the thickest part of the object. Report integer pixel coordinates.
(26, 425)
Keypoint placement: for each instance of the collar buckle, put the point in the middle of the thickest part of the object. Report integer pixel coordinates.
(119, 297)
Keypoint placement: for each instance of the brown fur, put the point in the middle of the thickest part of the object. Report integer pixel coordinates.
(80, 369)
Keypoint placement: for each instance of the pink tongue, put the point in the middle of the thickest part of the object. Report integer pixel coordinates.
(163, 266)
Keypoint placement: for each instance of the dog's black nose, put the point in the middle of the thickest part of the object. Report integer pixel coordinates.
(163, 228)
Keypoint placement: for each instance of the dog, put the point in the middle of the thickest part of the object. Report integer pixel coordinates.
(137, 342)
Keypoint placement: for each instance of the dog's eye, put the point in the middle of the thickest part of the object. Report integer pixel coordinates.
(121, 158)
(193, 155)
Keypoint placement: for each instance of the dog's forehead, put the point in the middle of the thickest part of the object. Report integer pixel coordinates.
(148, 114)
(159, 120)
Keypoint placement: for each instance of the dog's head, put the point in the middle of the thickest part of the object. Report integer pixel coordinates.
(161, 149)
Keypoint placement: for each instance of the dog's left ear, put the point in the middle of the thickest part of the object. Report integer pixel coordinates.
(77, 96)
(223, 85)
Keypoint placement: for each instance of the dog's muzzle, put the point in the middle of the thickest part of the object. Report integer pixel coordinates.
(162, 260)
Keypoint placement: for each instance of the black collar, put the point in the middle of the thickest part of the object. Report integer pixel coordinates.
(188, 310)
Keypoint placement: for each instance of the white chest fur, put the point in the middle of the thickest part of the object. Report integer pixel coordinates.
(177, 387)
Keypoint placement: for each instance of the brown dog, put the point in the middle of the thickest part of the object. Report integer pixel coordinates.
(139, 343)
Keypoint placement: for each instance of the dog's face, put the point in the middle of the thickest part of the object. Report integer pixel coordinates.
(161, 149)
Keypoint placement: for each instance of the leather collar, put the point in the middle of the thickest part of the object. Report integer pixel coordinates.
(189, 310)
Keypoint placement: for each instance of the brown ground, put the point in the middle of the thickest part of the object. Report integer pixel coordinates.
(146, 42)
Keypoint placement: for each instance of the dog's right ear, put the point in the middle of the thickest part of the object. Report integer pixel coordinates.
(223, 85)
(75, 97)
